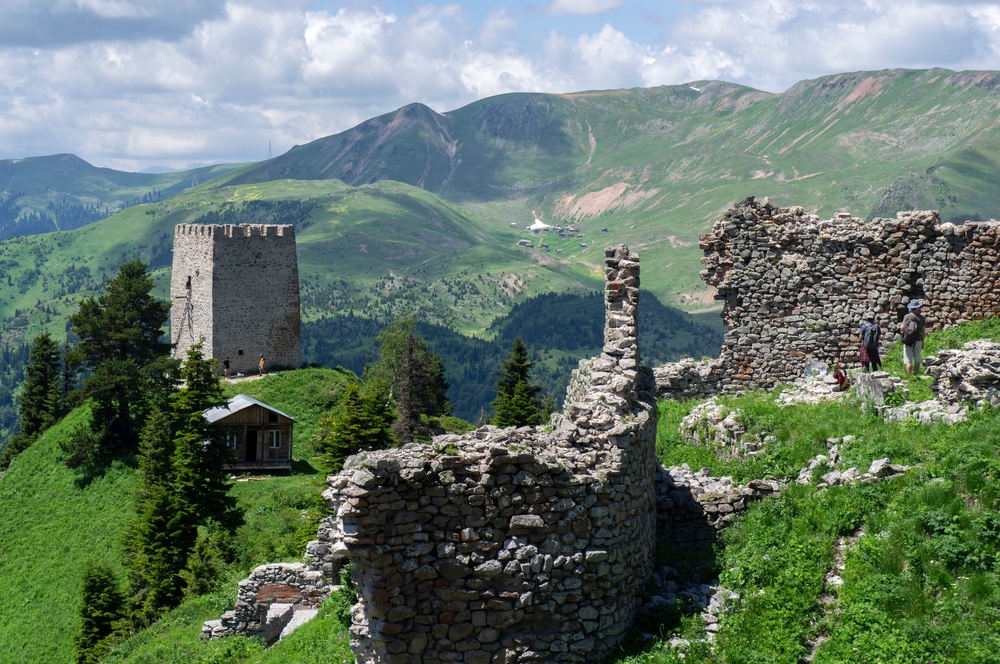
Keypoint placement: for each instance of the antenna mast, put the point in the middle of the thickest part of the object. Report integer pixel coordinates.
(269, 150)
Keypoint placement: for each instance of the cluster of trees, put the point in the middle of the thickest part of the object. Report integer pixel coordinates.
(402, 397)
(138, 414)
(395, 402)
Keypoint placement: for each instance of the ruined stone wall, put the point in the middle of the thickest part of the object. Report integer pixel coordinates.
(244, 293)
(509, 545)
(795, 287)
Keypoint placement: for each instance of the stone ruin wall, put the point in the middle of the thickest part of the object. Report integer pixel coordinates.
(794, 288)
(244, 293)
(509, 545)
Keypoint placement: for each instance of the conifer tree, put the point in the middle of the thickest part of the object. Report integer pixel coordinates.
(154, 552)
(412, 376)
(100, 607)
(517, 403)
(201, 480)
(183, 484)
(40, 400)
(121, 351)
(361, 421)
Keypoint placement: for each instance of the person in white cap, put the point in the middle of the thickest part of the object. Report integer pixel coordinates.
(912, 328)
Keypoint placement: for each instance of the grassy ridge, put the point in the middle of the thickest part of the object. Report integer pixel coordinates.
(49, 529)
(51, 526)
(922, 580)
(65, 179)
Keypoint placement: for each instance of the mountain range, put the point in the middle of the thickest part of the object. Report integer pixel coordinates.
(422, 212)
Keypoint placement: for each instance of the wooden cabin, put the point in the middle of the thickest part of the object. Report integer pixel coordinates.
(260, 436)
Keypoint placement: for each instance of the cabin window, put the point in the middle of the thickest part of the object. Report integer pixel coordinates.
(230, 438)
(239, 352)
(272, 418)
(275, 438)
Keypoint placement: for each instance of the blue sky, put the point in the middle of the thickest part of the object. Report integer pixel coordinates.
(135, 83)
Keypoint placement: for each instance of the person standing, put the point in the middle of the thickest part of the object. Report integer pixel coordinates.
(912, 329)
(260, 365)
(871, 335)
(225, 368)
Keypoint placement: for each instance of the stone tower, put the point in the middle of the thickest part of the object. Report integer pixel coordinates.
(238, 287)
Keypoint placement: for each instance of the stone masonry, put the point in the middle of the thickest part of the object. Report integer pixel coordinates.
(795, 288)
(238, 287)
(508, 545)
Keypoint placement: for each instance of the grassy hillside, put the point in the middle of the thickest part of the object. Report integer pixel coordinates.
(668, 160)
(49, 529)
(423, 223)
(51, 526)
(384, 249)
(63, 192)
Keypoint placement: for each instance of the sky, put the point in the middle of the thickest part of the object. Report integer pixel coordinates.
(130, 84)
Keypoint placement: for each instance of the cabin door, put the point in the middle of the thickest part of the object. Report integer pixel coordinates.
(251, 446)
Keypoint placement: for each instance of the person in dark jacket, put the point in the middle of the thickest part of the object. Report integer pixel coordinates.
(871, 335)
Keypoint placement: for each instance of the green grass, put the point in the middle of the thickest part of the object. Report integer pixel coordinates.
(49, 529)
(51, 526)
(305, 394)
(921, 585)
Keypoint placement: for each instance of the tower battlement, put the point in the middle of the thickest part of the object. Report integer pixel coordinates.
(236, 286)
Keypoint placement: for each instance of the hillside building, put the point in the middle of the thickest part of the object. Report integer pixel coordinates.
(238, 288)
(260, 436)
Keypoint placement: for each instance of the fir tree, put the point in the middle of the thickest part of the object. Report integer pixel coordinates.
(361, 421)
(517, 403)
(100, 607)
(40, 400)
(412, 376)
(183, 484)
(200, 459)
(154, 551)
(121, 350)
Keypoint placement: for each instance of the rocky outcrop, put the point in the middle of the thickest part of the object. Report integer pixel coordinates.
(969, 374)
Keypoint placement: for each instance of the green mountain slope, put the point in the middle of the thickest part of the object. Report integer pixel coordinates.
(63, 192)
(51, 525)
(378, 250)
(668, 160)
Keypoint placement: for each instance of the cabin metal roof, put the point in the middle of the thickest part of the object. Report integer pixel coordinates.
(236, 404)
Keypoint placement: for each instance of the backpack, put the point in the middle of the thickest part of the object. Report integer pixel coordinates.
(909, 330)
(871, 336)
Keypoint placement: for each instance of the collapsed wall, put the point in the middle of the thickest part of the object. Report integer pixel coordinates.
(794, 288)
(509, 545)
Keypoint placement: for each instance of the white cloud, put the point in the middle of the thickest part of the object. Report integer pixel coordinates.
(222, 87)
(583, 7)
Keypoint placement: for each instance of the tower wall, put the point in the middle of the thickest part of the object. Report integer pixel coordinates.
(244, 295)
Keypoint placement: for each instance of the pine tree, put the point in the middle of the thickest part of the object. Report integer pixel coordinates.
(154, 550)
(413, 376)
(183, 484)
(517, 403)
(361, 421)
(121, 350)
(201, 480)
(100, 607)
(40, 400)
